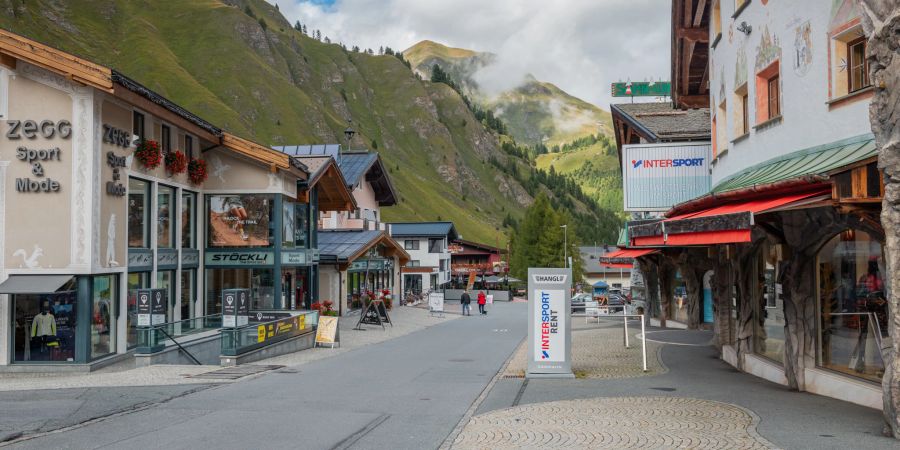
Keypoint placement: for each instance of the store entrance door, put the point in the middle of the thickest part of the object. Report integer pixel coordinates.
(288, 295)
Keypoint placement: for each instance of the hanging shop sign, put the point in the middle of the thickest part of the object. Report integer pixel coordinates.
(232, 258)
(549, 318)
(235, 307)
(659, 176)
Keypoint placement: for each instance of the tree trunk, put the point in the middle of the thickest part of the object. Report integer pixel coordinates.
(651, 283)
(723, 285)
(881, 20)
(693, 284)
(745, 277)
(667, 289)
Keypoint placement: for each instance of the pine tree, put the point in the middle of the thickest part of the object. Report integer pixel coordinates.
(327, 41)
(304, 30)
(298, 27)
(380, 50)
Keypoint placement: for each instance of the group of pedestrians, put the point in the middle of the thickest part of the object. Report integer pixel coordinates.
(466, 301)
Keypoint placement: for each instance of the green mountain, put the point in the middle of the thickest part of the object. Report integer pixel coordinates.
(535, 112)
(592, 162)
(241, 65)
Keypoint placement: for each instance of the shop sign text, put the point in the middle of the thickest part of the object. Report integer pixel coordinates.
(239, 258)
(116, 136)
(31, 129)
(115, 187)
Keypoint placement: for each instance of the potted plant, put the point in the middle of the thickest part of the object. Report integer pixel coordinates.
(197, 171)
(148, 154)
(176, 162)
(386, 298)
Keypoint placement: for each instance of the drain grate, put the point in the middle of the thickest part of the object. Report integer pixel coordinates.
(664, 389)
(513, 376)
(233, 373)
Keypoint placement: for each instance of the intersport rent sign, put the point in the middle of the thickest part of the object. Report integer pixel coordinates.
(549, 319)
(659, 176)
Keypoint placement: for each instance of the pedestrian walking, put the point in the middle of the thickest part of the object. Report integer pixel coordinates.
(482, 300)
(465, 300)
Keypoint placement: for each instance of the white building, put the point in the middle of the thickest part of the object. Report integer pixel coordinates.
(428, 246)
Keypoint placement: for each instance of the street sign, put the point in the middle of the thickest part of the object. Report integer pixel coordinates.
(235, 307)
(159, 307)
(642, 89)
(549, 319)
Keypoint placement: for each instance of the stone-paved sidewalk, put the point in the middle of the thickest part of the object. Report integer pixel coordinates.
(406, 320)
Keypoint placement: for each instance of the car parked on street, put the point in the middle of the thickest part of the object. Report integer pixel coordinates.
(582, 301)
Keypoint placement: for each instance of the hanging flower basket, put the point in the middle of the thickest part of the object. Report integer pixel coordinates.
(176, 162)
(197, 171)
(148, 154)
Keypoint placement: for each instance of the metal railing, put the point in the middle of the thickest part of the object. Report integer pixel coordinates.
(153, 338)
(239, 340)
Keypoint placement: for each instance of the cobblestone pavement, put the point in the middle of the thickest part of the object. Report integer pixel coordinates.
(598, 351)
(623, 422)
(406, 320)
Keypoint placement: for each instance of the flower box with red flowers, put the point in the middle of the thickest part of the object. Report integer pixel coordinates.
(176, 162)
(148, 154)
(197, 172)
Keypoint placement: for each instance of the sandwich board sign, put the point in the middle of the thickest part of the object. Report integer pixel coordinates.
(327, 331)
(143, 307)
(235, 307)
(436, 303)
(549, 323)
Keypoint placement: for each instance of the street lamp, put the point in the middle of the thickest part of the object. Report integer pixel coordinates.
(565, 244)
(349, 132)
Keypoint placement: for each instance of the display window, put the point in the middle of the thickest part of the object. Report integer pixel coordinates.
(136, 280)
(103, 315)
(188, 219)
(45, 325)
(165, 217)
(138, 213)
(260, 281)
(240, 220)
(165, 279)
(188, 286)
(768, 336)
(853, 306)
(301, 225)
(288, 224)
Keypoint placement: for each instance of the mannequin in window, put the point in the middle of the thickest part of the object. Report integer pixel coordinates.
(43, 330)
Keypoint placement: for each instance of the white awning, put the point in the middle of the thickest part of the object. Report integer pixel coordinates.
(33, 284)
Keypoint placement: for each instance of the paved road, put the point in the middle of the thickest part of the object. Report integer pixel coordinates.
(409, 392)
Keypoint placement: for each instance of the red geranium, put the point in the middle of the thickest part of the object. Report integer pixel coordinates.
(176, 162)
(147, 152)
(197, 171)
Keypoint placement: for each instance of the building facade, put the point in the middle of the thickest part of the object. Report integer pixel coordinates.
(427, 244)
(91, 212)
(468, 258)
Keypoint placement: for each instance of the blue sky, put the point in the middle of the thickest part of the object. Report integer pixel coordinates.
(580, 45)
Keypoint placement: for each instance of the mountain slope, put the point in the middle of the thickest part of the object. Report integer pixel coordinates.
(535, 112)
(240, 65)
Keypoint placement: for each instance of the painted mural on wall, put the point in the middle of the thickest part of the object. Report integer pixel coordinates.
(740, 67)
(842, 12)
(803, 54)
(768, 51)
(219, 168)
(722, 85)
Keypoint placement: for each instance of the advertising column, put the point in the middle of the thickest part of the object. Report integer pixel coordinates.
(549, 318)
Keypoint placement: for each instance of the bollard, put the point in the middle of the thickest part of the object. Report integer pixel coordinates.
(644, 342)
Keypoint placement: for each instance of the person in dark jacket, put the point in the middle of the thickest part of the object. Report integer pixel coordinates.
(482, 300)
(465, 300)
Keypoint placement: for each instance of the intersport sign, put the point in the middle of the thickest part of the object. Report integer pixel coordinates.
(659, 176)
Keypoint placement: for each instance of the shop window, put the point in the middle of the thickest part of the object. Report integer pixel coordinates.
(188, 219)
(301, 225)
(45, 325)
(768, 94)
(288, 223)
(136, 280)
(769, 331)
(435, 245)
(165, 214)
(138, 213)
(719, 126)
(260, 281)
(165, 279)
(103, 315)
(165, 138)
(411, 244)
(237, 220)
(189, 146)
(188, 286)
(854, 312)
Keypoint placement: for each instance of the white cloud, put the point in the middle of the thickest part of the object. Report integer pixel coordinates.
(580, 45)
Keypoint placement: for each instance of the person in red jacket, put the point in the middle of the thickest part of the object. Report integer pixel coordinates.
(482, 300)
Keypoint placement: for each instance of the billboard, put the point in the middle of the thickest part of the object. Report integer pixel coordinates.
(642, 89)
(658, 176)
(549, 323)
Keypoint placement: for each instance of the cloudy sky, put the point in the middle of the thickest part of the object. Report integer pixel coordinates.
(580, 45)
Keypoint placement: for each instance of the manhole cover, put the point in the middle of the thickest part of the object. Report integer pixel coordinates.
(233, 373)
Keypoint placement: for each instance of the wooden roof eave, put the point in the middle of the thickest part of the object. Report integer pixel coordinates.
(334, 195)
(263, 154)
(57, 61)
(394, 249)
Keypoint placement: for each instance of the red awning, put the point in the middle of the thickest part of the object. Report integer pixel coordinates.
(627, 253)
(755, 206)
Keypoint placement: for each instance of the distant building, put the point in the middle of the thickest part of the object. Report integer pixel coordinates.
(615, 277)
(467, 257)
(428, 246)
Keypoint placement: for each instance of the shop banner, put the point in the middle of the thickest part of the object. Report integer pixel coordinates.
(549, 318)
(436, 301)
(327, 331)
(239, 220)
(238, 258)
(659, 176)
(282, 329)
(143, 307)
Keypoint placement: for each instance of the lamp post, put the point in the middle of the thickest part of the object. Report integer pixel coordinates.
(349, 132)
(565, 244)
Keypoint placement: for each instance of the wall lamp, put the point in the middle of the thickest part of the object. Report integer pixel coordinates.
(744, 28)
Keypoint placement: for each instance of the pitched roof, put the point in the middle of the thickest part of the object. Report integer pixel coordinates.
(334, 195)
(355, 165)
(662, 122)
(590, 258)
(344, 246)
(359, 166)
(332, 150)
(416, 229)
